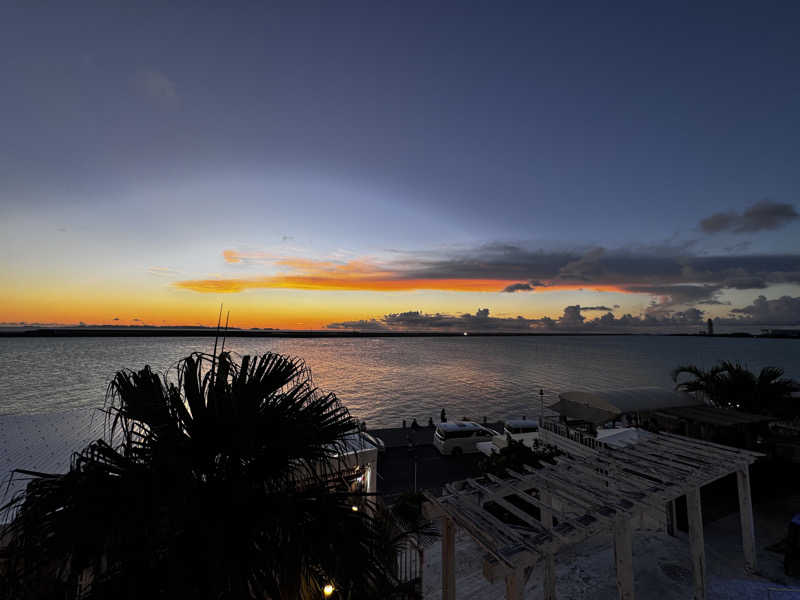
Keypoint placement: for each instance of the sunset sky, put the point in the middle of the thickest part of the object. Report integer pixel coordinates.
(401, 165)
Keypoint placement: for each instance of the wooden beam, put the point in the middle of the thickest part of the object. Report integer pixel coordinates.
(706, 455)
(593, 490)
(720, 449)
(619, 483)
(519, 490)
(623, 558)
(514, 585)
(498, 496)
(746, 518)
(696, 542)
(545, 525)
(549, 578)
(491, 533)
(664, 462)
(547, 512)
(540, 483)
(672, 527)
(448, 559)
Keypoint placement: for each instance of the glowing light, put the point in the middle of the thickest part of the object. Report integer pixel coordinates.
(355, 508)
(328, 590)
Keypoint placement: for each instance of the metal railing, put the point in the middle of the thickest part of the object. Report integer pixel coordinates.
(409, 568)
(575, 435)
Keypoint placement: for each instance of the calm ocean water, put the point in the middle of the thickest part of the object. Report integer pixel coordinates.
(385, 380)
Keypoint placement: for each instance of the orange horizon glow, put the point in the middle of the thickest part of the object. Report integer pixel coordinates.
(376, 283)
(294, 293)
(359, 274)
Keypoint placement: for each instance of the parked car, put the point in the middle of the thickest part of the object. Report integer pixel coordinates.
(460, 437)
(520, 430)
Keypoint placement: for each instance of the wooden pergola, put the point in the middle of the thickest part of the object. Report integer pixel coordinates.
(528, 517)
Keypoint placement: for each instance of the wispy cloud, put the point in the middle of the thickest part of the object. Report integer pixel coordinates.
(163, 271)
(156, 86)
(761, 216)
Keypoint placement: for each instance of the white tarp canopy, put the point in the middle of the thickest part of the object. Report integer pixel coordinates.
(602, 406)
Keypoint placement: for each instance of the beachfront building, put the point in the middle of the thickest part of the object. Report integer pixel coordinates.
(629, 481)
(356, 464)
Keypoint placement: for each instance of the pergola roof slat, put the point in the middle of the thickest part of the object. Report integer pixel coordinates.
(591, 493)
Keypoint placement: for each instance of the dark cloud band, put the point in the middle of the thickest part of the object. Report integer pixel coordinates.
(761, 216)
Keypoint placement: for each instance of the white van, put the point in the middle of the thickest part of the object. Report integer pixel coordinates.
(520, 430)
(460, 437)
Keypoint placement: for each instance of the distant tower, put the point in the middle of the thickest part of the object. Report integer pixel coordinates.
(710, 327)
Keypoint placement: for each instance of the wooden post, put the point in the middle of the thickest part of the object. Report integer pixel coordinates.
(696, 543)
(549, 579)
(623, 558)
(448, 559)
(672, 519)
(514, 585)
(547, 515)
(746, 518)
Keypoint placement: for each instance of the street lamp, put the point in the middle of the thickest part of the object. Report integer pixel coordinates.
(541, 410)
(328, 590)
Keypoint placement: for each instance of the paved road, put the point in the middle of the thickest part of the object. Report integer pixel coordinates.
(405, 447)
(399, 436)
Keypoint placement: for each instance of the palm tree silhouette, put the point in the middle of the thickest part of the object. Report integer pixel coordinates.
(732, 385)
(221, 484)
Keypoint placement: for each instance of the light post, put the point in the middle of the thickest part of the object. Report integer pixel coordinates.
(541, 410)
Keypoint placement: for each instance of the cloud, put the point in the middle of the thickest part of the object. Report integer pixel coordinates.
(162, 271)
(765, 215)
(572, 317)
(571, 321)
(518, 287)
(745, 282)
(156, 86)
(670, 296)
(115, 319)
(419, 321)
(780, 311)
(524, 287)
(675, 277)
(362, 325)
(602, 308)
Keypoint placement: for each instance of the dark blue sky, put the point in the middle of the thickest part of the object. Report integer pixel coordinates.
(409, 126)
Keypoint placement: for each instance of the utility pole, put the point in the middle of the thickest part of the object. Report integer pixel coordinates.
(541, 409)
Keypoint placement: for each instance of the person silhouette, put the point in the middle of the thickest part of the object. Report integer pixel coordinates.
(443, 416)
(414, 425)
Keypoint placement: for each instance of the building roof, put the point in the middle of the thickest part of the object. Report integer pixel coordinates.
(459, 425)
(623, 436)
(722, 417)
(522, 423)
(602, 406)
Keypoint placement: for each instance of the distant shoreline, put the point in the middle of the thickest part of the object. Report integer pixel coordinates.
(51, 332)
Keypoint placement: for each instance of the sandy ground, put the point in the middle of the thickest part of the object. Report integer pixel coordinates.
(661, 565)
